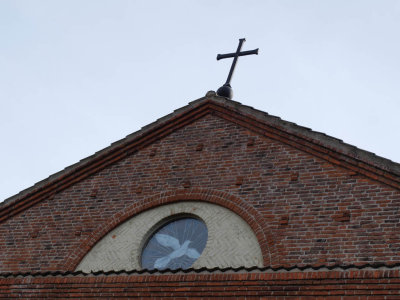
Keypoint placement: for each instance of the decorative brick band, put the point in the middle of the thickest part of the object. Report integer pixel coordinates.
(233, 203)
(354, 284)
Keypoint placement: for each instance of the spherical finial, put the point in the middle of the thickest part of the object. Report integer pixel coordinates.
(225, 91)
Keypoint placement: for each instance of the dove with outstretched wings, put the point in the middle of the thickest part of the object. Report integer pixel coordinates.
(178, 250)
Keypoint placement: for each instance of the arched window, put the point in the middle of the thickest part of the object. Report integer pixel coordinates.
(175, 245)
(187, 234)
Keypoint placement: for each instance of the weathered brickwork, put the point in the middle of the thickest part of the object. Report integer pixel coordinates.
(307, 210)
(338, 285)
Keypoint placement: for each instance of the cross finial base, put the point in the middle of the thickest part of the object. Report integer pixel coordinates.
(225, 91)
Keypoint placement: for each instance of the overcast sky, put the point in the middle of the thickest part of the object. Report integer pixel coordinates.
(76, 76)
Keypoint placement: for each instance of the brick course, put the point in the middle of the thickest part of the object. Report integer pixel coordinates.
(356, 284)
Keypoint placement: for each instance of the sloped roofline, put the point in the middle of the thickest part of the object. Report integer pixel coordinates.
(356, 160)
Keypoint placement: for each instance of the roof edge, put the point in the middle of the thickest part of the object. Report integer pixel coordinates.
(330, 145)
(205, 270)
(314, 136)
(129, 137)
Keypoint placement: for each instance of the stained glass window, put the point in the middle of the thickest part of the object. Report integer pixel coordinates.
(177, 244)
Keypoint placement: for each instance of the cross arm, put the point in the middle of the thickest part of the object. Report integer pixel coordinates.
(255, 51)
(222, 56)
(243, 53)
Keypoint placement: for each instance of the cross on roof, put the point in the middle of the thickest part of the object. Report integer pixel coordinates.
(226, 90)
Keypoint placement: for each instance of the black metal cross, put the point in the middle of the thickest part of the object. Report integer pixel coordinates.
(226, 90)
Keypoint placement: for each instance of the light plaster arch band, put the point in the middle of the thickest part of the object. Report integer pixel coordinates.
(231, 242)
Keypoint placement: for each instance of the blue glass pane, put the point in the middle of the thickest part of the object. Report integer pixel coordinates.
(177, 244)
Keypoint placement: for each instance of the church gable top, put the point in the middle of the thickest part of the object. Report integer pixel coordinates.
(316, 143)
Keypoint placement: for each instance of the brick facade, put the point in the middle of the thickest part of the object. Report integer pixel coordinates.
(310, 199)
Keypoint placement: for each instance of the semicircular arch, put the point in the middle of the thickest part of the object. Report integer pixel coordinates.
(235, 204)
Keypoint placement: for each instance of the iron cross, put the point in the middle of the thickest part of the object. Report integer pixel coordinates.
(226, 90)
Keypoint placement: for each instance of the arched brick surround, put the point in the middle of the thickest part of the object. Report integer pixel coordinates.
(235, 204)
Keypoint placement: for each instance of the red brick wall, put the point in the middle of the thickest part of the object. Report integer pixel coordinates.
(359, 284)
(309, 211)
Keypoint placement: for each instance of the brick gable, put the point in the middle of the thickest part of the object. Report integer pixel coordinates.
(310, 199)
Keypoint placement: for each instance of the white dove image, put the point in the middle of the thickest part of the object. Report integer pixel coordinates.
(178, 250)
